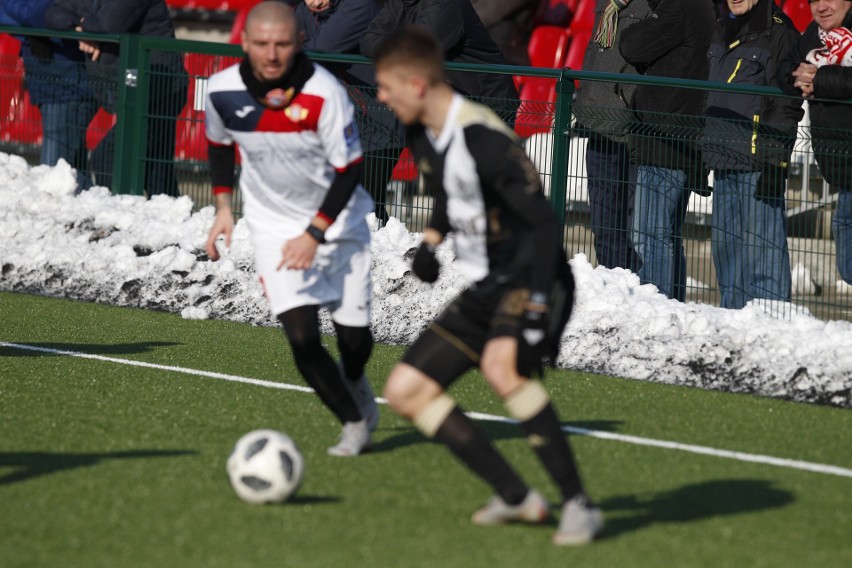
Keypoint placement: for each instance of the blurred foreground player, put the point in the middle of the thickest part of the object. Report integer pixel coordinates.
(301, 162)
(510, 319)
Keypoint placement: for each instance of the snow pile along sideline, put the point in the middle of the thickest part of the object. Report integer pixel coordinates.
(129, 251)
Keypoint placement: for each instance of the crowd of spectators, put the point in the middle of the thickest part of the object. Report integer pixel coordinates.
(646, 154)
(675, 137)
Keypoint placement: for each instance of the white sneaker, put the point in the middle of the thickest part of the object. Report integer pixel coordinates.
(579, 524)
(365, 399)
(533, 509)
(354, 440)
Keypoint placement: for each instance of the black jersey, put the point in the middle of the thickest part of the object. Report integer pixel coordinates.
(488, 193)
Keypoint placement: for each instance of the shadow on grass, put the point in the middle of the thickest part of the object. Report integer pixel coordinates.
(298, 499)
(30, 465)
(691, 503)
(49, 349)
(408, 435)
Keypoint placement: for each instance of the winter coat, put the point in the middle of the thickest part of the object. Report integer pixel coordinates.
(142, 17)
(456, 25)
(54, 68)
(338, 30)
(751, 132)
(831, 122)
(605, 107)
(672, 42)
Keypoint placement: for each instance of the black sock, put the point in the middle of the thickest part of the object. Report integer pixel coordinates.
(301, 325)
(550, 443)
(474, 449)
(355, 345)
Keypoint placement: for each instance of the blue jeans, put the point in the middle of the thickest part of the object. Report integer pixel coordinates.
(841, 225)
(64, 136)
(661, 201)
(611, 183)
(749, 241)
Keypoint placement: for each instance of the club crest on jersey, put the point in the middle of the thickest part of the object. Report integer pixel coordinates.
(296, 112)
(277, 99)
(423, 166)
(350, 133)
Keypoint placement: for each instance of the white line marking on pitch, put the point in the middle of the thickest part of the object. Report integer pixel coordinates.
(703, 450)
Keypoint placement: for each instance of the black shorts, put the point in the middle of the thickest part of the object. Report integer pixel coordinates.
(453, 343)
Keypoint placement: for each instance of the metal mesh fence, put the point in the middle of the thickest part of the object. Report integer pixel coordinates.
(620, 193)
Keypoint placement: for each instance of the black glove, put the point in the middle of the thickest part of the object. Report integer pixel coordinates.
(425, 264)
(533, 344)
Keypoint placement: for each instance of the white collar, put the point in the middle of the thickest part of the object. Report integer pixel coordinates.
(443, 140)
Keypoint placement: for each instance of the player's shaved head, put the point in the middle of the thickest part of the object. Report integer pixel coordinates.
(271, 12)
(412, 50)
(271, 40)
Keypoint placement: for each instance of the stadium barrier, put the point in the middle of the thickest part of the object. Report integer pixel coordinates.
(554, 131)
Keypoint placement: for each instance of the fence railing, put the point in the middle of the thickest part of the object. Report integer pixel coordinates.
(155, 140)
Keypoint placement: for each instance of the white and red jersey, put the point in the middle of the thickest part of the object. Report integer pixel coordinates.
(289, 156)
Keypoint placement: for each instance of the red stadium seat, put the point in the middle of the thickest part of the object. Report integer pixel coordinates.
(98, 128)
(577, 49)
(536, 111)
(584, 17)
(237, 27)
(547, 48)
(405, 169)
(799, 11)
(20, 120)
(11, 77)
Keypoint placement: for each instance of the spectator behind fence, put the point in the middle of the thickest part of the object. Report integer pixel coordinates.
(748, 140)
(672, 42)
(602, 111)
(823, 72)
(336, 26)
(58, 85)
(463, 38)
(167, 86)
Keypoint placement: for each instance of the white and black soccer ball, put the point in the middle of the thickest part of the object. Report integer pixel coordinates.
(265, 466)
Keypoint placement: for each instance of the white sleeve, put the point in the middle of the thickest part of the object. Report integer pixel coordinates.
(337, 129)
(214, 126)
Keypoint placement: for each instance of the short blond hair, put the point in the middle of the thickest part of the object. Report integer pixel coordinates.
(413, 49)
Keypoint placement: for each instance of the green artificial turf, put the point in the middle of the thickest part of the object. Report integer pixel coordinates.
(104, 464)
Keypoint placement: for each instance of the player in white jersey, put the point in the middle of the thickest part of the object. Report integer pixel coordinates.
(305, 208)
(510, 318)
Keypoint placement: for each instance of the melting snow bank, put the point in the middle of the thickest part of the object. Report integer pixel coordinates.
(128, 251)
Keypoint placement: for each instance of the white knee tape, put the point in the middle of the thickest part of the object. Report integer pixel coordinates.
(527, 401)
(430, 418)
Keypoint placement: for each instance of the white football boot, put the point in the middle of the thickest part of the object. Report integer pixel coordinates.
(579, 524)
(533, 509)
(354, 440)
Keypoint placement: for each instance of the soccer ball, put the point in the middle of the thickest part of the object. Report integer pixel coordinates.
(265, 466)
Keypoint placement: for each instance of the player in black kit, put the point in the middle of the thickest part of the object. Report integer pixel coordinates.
(510, 318)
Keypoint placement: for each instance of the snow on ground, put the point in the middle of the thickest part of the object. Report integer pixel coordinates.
(128, 251)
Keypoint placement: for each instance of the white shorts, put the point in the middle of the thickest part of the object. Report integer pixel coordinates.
(338, 280)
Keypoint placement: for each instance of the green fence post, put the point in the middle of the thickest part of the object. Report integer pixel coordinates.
(561, 145)
(130, 126)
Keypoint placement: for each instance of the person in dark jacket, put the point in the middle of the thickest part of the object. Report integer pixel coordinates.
(58, 85)
(672, 42)
(463, 38)
(603, 114)
(748, 140)
(336, 26)
(168, 79)
(823, 73)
